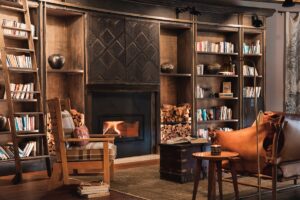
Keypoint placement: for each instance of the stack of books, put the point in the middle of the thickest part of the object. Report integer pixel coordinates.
(15, 24)
(249, 92)
(25, 123)
(93, 189)
(21, 91)
(219, 47)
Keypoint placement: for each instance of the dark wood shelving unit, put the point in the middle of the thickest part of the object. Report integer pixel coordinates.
(21, 106)
(216, 53)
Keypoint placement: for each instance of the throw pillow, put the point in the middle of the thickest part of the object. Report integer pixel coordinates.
(81, 132)
(67, 123)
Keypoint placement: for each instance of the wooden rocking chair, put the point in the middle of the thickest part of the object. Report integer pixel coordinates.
(101, 158)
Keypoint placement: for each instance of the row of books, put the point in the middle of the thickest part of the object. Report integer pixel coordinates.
(22, 91)
(203, 132)
(219, 47)
(200, 92)
(249, 92)
(7, 151)
(20, 61)
(251, 48)
(25, 123)
(215, 113)
(15, 24)
(249, 71)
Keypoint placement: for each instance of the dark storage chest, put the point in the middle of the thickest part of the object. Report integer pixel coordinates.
(176, 161)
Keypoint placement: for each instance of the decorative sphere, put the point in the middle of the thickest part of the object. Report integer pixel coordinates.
(56, 61)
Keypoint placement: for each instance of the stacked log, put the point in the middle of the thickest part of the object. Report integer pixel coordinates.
(173, 131)
(175, 114)
(78, 119)
(176, 121)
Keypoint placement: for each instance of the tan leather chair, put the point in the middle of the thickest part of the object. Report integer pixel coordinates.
(279, 141)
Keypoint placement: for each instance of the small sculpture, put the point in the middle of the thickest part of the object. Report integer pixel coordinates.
(56, 61)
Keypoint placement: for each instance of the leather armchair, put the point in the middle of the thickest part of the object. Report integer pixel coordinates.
(278, 145)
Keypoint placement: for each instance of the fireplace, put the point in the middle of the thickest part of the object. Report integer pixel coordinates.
(128, 127)
(131, 115)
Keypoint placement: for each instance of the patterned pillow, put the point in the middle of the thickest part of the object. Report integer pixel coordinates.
(81, 132)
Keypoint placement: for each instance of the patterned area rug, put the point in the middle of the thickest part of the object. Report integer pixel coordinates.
(145, 182)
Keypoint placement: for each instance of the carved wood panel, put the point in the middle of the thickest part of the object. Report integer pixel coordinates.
(106, 49)
(142, 51)
(122, 50)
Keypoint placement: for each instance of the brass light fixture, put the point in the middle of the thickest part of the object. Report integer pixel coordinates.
(288, 3)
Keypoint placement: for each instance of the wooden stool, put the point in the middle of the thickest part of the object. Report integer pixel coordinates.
(215, 162)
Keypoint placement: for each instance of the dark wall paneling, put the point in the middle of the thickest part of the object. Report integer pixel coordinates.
(142, 51)
(106, 49)
(122, 50)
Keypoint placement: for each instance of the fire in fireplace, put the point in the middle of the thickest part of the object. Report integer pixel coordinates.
(122, 128)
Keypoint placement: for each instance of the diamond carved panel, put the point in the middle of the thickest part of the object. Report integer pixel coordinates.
(122, 50)
(142, 51)
(106, 48)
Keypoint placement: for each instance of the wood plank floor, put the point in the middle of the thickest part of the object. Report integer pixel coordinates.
(35, 187)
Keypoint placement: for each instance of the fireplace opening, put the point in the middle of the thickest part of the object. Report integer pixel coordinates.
(121, 128)
(128, 127)
(129, 114)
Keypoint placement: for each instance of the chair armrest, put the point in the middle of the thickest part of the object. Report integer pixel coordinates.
(103, 135)
(89, 139)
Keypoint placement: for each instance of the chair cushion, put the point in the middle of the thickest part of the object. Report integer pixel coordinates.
(289, 169)
(91, 151)
(67, 123)
(291, 132)
(81, 132)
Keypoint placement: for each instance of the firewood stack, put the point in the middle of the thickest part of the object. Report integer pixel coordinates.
(78, 119)
(176, 121)
(175, 114)
(50, 137)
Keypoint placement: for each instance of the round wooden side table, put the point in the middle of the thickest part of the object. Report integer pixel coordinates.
(215, 162)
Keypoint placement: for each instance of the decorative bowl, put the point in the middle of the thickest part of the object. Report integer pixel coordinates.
(213, 68)
(56, 61)
(167, 67)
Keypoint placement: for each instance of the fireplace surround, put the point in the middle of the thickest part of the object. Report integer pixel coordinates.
(130, 114)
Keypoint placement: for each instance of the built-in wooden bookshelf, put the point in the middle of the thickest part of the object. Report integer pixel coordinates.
(65, 36)
(20, 88)
(253, 59)
(176, 48)
(217, 61)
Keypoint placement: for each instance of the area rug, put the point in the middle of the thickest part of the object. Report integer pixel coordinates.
(145, 182)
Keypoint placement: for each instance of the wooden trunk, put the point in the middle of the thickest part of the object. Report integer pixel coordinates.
(177, 163)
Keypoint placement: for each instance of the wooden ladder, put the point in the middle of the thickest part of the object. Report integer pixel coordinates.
(40, 135)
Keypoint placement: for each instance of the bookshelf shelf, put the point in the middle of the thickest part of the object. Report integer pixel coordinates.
(24, 100)
(7, 160)
(216, 53)
(218, 121)
(71, 71)
(28, 135)
(253, 76)
(18, 50)
(33, 157)
(217, 75)
(25, 132)
(16, 37)
(249, 54)
(22, 70)
(5, 132)
(15, 28)
(28, 113)
(179, 75)
(222, 99)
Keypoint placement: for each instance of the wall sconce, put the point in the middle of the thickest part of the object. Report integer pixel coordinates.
(288, 3)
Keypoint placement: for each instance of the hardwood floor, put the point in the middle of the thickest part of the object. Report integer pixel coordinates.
(35, 185)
